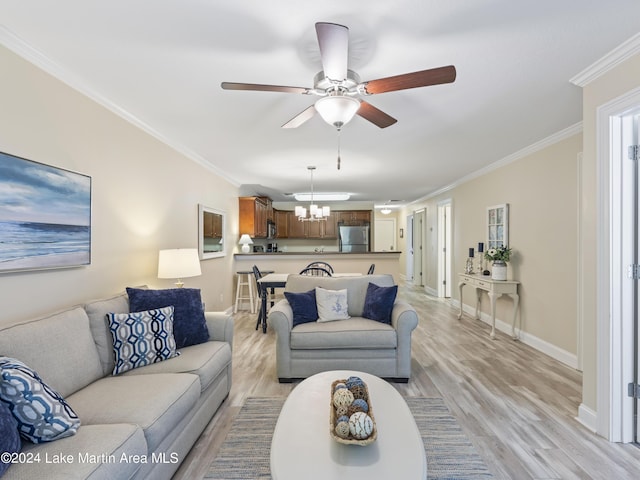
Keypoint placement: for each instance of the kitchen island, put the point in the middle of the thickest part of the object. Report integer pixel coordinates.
(293, 262)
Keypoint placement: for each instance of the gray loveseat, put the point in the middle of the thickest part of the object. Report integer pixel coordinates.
(356, 343)
(139, 424)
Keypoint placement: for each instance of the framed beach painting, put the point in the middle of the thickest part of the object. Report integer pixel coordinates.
(45, 216)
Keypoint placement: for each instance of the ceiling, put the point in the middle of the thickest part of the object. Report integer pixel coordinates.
(160, 64)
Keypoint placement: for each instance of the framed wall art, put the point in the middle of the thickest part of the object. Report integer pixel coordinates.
(45, 216)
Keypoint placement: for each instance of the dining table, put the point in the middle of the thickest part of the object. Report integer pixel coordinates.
(272, 281)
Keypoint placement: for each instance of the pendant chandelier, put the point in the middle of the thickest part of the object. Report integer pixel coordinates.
(316, 214)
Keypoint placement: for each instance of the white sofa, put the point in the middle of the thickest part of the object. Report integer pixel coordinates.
(139, 424)
(356, 343)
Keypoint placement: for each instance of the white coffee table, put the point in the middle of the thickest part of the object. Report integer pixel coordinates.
(302, 447)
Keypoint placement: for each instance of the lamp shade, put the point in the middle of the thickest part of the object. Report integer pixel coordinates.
(337, 110)
(179, 263)
(245, 241)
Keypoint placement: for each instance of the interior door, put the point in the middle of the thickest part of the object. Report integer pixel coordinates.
(636, 262)
(384, 238)
(409, 247)
(418, 240)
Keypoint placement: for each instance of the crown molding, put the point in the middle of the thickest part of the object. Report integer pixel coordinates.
(544, 143)
(24, 50)
(611, 60)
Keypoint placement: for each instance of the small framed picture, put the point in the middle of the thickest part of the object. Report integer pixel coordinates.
(402, 233)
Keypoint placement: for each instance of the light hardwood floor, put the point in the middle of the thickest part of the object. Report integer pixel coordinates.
(518, 406)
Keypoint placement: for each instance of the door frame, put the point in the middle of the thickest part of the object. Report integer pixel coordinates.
(614, 416)
(444, 248)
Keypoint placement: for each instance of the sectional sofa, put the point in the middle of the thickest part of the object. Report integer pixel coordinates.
(138, 424)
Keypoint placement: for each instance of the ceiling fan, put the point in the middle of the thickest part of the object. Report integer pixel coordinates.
(339, 88)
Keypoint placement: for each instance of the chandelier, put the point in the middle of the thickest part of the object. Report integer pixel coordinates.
(316, 214)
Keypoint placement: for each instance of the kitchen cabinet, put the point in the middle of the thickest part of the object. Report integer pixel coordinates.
(281, 218)
(353, 217)
(323, 229)
(253, 215)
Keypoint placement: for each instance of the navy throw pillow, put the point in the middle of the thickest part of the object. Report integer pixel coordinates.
(378, 303)
(303, 305)
(9, 436)
(189, 325)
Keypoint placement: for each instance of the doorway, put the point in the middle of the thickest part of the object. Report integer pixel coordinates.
(617, 270)
(409, 248)
(444, 249)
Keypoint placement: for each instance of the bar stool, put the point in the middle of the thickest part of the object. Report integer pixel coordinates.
(245, 280)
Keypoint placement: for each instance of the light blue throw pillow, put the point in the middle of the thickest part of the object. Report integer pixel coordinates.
(142, 338)
(332, 304)
(42, 414)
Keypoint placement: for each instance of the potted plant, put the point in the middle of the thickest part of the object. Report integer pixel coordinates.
(499, 256)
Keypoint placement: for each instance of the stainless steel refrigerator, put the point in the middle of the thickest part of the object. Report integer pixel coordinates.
(353, 239)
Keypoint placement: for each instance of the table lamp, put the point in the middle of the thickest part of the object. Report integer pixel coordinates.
(245, 241)
(179, 263)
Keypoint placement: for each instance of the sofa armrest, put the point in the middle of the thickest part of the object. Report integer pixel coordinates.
(280, 317)
(403, 317)
(220, 326)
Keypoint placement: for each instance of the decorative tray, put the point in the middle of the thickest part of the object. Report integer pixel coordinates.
(359, 426)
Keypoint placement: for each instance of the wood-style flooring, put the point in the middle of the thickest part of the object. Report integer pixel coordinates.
(517, 405)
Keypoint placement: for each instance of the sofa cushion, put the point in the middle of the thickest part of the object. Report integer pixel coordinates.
(189, 325)
(303, 305)
(355, 332)
(332, 304)
(98, 452)
(59, 347)
(157, 403)
(42, 414)
(378, 303)
(9, 436)
(142, 338)
(97, 312)
(206, 360)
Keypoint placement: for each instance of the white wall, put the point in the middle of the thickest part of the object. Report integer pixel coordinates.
(145, 195)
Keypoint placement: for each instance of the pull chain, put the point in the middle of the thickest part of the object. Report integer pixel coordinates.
(338, 149)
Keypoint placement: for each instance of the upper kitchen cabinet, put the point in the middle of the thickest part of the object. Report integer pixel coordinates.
(281, 219)
(353, 217)
(318, 229)
(254, 212)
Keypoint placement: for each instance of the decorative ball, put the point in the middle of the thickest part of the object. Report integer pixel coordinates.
(339, 386)
(353, 382)
(360, 425)
(342, 397)
(359, 391)
(354, 408)
(342, 429)
(362, 404)
(342, 410)
(342, 418)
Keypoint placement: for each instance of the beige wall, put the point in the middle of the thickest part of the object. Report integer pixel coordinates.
(615, 83)
(541, 190)
(144, 195)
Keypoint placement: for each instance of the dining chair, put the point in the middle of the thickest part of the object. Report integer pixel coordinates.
(259, 288)
(324, 265)
(371, 269)
(317, 271)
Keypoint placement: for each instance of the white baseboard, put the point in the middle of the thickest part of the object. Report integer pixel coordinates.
(587, 417)
(568, 358)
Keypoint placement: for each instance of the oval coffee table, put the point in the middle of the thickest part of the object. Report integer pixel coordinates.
(303, 448)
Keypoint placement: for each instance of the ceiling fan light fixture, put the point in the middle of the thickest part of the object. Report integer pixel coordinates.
(337, 110)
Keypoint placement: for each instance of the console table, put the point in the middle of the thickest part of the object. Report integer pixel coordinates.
(495, 289)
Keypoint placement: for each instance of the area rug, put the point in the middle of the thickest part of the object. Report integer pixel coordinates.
(244, 454)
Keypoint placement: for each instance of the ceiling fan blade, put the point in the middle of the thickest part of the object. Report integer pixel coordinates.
(334, 49)
(375, 115)
(423, 78)
(302, 117)
(264, 88)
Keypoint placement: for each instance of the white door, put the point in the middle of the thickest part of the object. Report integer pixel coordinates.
(444, 249)
(418, 241)
(409, 247)
(384, 238)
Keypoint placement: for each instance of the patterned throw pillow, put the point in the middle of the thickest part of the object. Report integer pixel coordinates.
(42, 414)
(332, 304)
(142, 338)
